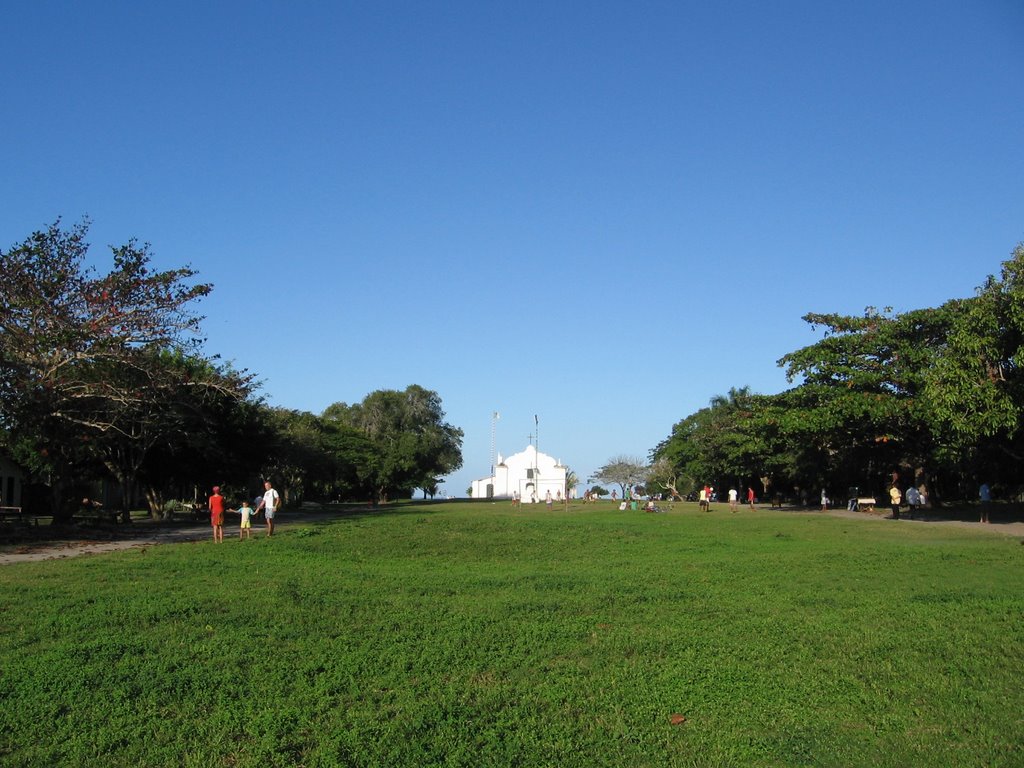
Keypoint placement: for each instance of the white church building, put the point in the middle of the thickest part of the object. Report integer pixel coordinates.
(529, 473)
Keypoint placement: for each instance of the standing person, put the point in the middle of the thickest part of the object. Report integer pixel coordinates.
(702, 499)
(750, 496)
(245, 530)
(913, 500)
(269, 504)
(734, 498)
(895, 497)
(984, 496)
(824, 500)
(547, 499)
(216, 506)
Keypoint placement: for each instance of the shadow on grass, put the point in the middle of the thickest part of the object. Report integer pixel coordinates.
(143, 526)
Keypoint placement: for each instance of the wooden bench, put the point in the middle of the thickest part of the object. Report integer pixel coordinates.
(11, 514)
(18, 515)
(96, 514)
(187, 511)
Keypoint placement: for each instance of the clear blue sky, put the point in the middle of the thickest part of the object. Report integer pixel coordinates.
(636, 201)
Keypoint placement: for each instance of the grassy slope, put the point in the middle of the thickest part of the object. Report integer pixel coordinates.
(469, 635)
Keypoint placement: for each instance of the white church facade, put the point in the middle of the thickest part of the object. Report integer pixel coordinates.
(529, 473)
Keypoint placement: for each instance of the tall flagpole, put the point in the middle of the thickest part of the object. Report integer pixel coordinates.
(494, 418)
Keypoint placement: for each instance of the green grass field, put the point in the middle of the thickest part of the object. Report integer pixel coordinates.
(470, 634)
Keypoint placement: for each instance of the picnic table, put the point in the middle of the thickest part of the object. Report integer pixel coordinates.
(18, 515)
(188, 510)
(94, 511)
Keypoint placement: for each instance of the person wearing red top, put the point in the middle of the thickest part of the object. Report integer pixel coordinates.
(216, 505)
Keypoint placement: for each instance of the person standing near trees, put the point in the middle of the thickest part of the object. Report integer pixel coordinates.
(750, 496)
(733, 499)
(269, 504)
(216, 506)
(913, 500)
(985, 497)
(895, 497)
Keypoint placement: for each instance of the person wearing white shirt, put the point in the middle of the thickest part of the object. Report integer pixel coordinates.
(269, 504)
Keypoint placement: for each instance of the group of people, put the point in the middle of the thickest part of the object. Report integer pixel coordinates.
(549, 500)
(915, 499)
(707, 494)
(268, 504)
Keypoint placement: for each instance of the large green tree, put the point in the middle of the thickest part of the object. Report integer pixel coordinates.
(861, 404)
(716, 443)
(975, 387)
(312, 456)
(84, 356)
(413, 445)
(937, 392)
(213, 436)
(724, 443)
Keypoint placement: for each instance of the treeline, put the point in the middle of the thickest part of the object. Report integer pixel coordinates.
(102, 377)
(932, 396)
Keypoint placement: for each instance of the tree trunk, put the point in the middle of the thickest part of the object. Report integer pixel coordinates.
(61, 512)
(155, 500)
(126, 510)
(123, 479)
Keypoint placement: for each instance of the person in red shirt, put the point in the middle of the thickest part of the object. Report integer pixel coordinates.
(216, 505)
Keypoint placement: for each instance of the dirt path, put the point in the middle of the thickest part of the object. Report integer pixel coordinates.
(85, 545)
(137, 536)
(1003, 528)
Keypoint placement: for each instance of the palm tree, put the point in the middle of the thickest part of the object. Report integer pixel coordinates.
(571, 481)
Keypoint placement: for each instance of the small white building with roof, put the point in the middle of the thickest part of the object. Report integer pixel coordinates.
(12, 481)
(529, 473)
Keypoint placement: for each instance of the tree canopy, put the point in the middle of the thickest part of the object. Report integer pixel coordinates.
(930, 395)
(99, 367)
(103, 375)
(624, 471)
(412, 444)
